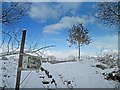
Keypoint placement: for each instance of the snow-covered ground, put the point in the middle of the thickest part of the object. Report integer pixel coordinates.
(66, 75)
(82, 74)
(0, 73)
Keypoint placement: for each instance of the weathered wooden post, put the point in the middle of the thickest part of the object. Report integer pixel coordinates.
(20, 60)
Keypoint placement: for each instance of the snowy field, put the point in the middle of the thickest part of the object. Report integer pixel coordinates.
(66, 75)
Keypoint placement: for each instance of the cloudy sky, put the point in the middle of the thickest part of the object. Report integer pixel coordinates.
(48, 24)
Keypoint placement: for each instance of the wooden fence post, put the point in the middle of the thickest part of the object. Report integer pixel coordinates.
(20, 60)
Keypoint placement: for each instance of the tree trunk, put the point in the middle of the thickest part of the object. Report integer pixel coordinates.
(79, 52)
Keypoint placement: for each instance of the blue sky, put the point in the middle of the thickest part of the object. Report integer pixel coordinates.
(48, 23)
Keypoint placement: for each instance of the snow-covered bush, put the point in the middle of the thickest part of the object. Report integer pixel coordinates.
(109, 58)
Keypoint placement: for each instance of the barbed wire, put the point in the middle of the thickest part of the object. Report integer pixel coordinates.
(27, 80)
(25, 77)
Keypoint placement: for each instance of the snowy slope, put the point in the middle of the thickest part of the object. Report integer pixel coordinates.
(67, 75)
(81, 73)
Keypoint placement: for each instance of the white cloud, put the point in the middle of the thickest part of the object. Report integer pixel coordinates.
(70, 7)
(42, 12)
(45, 11)
(65, 22)
(101, 45)
(108, 42)
(62, 54)
(67, 53)
(89, 18)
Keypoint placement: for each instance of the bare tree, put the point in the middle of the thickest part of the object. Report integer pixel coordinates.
(10, 40)
(109, 12)
(79, 35)
(13, 11)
